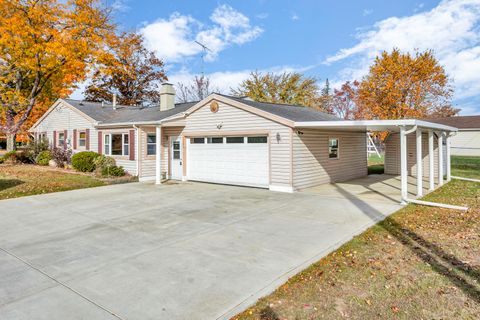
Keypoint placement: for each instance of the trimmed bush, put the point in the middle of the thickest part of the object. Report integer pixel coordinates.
(113, 171)
(43, 158)
(10, 157)
(84, 161)
(104, 161)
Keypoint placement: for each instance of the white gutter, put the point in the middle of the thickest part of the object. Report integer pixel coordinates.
(137, 145)
(373, 123)
(138, 123)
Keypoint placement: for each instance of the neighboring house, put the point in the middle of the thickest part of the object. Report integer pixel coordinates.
(221, 139)
(467, 140)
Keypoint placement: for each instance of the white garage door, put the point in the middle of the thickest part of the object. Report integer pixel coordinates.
(230, 160)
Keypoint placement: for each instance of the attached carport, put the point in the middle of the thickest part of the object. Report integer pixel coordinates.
(404, 128)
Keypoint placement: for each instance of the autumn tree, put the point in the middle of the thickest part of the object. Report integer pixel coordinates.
(288, 87)
(130, 71)
(400, 85)
(326, 98)
(344, 100)
(46, 47)
(198, 89)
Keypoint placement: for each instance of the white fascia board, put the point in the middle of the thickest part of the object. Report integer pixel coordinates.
(140, 123)
(365, 124)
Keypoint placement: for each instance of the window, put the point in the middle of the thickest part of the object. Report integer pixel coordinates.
(61, 139)
(116, 144)
(215, 140)
(235, 139)
(151, 144)
(106, 147)
(257, 139)
(333, 148)
(197, 140)
(82, 138)
(176, 150)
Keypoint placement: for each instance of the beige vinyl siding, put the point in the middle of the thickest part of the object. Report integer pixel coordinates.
(231, 119)
(312, 166)
(63, 118)
(392, 154)
(466, 143)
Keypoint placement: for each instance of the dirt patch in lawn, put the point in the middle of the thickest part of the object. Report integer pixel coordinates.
(24, 180)
(420, 263)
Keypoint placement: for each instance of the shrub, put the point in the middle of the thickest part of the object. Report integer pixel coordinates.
(103, 161)
(10, 157)
(114, 171)
(84, 161)
(24, 156)
(61, 156)
(43, 158)
(36, 147)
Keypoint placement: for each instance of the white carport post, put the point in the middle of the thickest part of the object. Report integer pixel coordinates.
(431, 161)
(440, 159)
(449, 174)
(158, 156)
(419, 163)
(403, 164)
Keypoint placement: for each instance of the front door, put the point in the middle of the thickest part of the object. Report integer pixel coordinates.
(176, 158)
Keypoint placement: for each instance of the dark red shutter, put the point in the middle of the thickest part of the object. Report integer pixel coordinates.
(87, 139)
(54, 138)
(74, 139)
(131, 142)
(65, 139)
(100, 142)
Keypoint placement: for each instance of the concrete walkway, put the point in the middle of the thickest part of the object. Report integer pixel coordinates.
(177, 251)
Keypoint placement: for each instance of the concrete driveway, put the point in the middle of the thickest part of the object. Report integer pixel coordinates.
(177, 251)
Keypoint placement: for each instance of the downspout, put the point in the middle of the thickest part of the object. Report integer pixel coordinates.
(137, 142)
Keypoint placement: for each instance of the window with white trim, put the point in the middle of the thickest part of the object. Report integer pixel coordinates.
(333, 147)
(116, 144)
(235, 139)
(61, 139)
(215, 140)
(151, 144)
(257, 139)
(82, 138)
(197, 140)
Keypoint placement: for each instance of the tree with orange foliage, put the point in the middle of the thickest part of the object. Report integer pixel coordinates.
(46, 47)
(400, 85)
(131, 72)
(344, 100)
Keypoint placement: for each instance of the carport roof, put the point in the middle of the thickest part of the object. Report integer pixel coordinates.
(373, 125)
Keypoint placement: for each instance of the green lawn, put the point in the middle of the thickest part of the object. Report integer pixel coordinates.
(468, 167)
(24, 180)
(420, 263)
(375, 164)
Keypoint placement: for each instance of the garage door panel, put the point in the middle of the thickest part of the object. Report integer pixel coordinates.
(235, 163)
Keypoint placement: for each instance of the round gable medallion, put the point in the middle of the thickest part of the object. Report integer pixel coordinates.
(214, 106)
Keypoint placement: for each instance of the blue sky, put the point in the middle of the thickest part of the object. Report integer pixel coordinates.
(325, 39)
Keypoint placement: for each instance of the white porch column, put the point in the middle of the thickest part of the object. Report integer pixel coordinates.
(419, 163)
(449, 175)
(440, 159)
(431, 161)
(403, 164)
(158, 156)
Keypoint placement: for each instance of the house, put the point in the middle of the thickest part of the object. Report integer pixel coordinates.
(467, 140)
(238, 141)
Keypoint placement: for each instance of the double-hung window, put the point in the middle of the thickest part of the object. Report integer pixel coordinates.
(61, 139)
(151, 144)
(116, 144)
(333, 148)
(82, 138)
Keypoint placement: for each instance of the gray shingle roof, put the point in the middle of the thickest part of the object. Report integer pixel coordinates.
(287, 111)
(461, 122)
(106, 114)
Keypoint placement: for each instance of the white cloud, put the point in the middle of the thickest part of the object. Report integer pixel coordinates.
(173, 38)
(452, 30)
(120, 5)
(367, 12)
(263, 15)
(295, 17)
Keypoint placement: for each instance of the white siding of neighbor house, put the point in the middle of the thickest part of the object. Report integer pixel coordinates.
(392, 155)
(66, 118)
(466, 143)
(312, 166)
(231, 119)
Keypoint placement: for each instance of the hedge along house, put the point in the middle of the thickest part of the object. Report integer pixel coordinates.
(232, 140)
